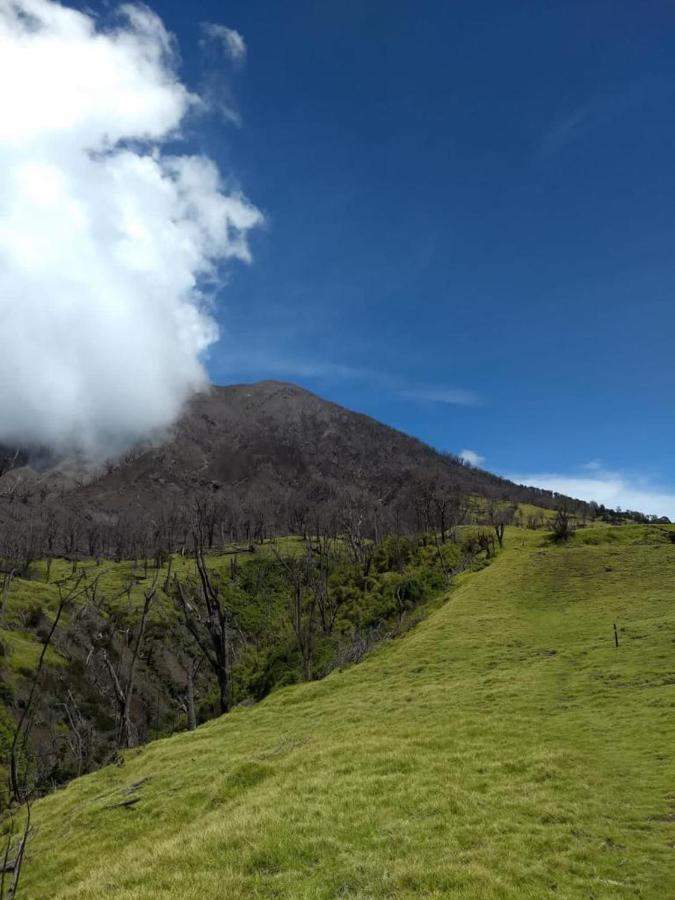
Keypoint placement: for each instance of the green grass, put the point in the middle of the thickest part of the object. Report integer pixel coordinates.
(39, 592)
(502, 749)
(23, 651)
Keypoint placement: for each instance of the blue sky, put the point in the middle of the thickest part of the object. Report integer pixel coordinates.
(469, 222)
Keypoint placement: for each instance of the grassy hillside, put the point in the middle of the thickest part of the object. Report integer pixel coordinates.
(504, 748)
(351, 597)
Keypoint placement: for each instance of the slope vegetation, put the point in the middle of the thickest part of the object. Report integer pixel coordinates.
(504, 748)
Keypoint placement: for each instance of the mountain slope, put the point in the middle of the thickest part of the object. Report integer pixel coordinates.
(503, 749)
(269, 445)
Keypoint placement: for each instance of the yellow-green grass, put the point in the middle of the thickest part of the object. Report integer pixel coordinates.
(529, 510)
(505, 748)
(111, 575)
(122, 584)
(23, 651)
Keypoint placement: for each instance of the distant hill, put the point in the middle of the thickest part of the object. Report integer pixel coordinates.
(271, 447)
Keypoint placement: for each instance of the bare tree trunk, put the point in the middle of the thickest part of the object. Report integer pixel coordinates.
(75, 721)
(147, 603)
(124, 689)
(223, 691)
(190, 699)
(167, 582)
(5, 594)
(210, 626)
(16, 864)
(14, 786)
(124, 733)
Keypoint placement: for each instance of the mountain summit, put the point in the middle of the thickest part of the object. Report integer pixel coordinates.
(267, 444)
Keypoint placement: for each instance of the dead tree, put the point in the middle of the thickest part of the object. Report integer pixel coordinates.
(354, 528)
(499, 517)
(67, 595)
(304, 589)
(191, 668)
(189, 663)
(167, 580)
(124, 683)
(6, 585)
(210, 622)
(80, 731)
(562, 525)
(325, 555)
(450, 508)
(14, 866)
(479, 541)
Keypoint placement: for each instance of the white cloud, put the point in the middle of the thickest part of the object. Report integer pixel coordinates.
(106, 243)
(229, 39)
(471, 457)
(451, 396)
(609, 488)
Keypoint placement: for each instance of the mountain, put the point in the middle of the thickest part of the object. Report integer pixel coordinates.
(271, 447)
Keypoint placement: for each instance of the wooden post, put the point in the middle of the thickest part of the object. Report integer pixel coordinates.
(616, 635)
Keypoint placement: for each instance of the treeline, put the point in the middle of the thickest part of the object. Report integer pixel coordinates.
(620, 516)
(44, 528)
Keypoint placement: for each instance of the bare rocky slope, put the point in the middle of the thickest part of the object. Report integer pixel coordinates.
(267, 443)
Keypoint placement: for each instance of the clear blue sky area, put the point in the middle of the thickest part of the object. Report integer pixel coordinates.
(470, 222)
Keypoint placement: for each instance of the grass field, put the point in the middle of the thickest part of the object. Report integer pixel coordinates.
(505, 748)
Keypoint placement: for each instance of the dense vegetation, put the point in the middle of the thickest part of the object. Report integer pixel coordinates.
(505, 747)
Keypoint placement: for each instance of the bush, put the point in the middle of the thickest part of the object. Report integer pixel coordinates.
(33, 616)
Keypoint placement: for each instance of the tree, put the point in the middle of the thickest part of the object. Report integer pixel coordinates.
(305, 586)
(4, 595)
(19, 792)
(450, 507)
(189, 662)
(123, 675)
(325, 555)
(562, 526)
(210, 622)
(499, 517)
(191, 668)
(14, 865)
(353, 524)
(479, 541)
